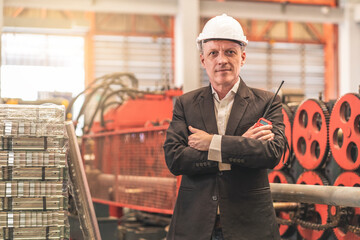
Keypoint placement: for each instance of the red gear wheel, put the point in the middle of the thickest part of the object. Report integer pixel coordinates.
(276, 176)
(344, 131)
(349, 179)
(288, 118)
(321, 213)
(282, 177)
(310, 134)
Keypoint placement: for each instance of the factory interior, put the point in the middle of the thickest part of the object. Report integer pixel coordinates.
(87, 92)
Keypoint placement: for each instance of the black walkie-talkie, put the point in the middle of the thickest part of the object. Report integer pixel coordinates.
(263, 121)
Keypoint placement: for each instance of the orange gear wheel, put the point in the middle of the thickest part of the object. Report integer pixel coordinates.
(310, 134)
(344, 131)
(320, 212)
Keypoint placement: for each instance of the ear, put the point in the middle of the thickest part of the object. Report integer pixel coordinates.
(202, 60)
(243, 57)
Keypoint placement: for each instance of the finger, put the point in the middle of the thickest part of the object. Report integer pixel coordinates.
(267, 137)
(272, 137)
(191, 129)
(259, 129)
(268, 133)
(194, 130)
(250, 131)
(261, 134)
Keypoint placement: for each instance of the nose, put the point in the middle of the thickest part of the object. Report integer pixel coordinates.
(222, 58)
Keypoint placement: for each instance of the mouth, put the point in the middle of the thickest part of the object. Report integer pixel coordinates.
(223, 70)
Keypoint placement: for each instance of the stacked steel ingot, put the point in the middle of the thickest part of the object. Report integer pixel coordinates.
(33, 172)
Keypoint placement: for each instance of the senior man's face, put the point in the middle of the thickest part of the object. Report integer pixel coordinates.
(222, 60)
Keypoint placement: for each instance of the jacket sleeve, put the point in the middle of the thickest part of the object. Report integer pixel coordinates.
(253, 153)
(180, 158)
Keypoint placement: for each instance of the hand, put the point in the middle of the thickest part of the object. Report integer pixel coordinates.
(200, 140)
(261, 133)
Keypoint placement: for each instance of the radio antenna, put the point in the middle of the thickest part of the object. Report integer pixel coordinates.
(272, 100)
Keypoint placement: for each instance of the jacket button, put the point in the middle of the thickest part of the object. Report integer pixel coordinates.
(197, 164)
(220, 173)
(214, 198)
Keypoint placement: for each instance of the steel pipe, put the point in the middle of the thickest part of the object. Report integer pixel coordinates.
(329, 195)
(286, 206)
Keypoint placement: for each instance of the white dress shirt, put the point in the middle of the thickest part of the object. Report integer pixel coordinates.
(222, 112)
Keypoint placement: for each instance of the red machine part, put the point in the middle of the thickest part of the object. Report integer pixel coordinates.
(321, 213)
(310, 134)
(344, 131)
(149, 109)
(288, 118)
(282, 177)
(349, 179)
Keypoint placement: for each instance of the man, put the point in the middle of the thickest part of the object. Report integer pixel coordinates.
(213, 143)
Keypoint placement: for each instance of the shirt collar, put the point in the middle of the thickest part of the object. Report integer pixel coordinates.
(233, 90)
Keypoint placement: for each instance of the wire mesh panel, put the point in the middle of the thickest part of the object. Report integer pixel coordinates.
(128, 168)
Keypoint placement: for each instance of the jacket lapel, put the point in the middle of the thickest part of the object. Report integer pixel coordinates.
(238, 109)
(206, 106)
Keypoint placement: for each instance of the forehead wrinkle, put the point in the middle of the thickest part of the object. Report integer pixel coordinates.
(217, 46)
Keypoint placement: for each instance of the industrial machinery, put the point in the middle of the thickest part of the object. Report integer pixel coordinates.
(122, 145)
(325, 140)
(125, 166)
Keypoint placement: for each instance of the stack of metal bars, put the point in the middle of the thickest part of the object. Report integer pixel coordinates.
(33, 172)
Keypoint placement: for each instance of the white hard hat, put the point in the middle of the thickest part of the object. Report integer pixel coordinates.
(222, 27)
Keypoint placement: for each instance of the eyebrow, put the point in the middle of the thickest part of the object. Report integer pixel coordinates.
(226, 49)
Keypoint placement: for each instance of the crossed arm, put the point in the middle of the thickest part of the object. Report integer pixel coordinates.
(200, 140)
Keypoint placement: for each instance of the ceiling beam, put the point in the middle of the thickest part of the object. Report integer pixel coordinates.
(159, 7)
(241, 10)
(309, 2)
(273, 11)
(56, 26)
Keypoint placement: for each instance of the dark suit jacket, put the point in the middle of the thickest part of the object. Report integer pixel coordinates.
(243, 193)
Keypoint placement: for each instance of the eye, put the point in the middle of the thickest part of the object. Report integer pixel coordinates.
(231, 52)
(212, 53)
